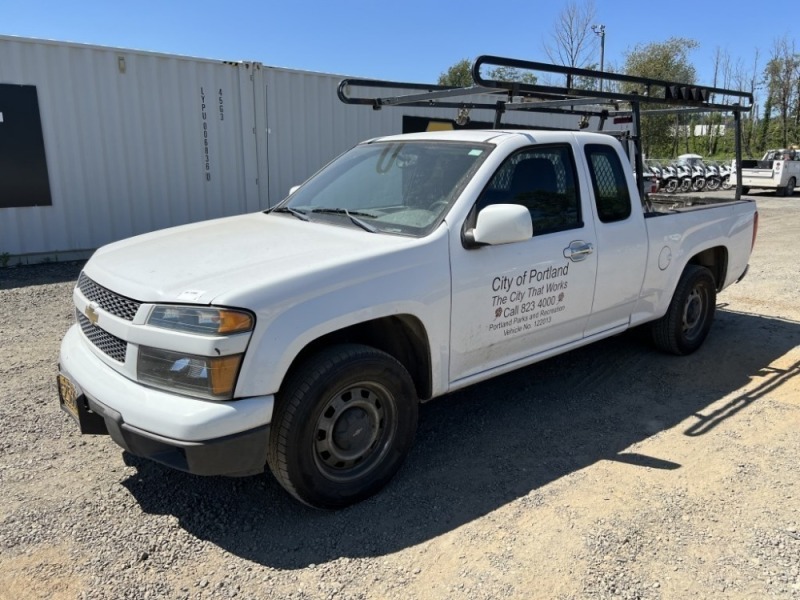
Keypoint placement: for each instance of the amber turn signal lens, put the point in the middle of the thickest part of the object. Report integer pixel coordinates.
(234, 321)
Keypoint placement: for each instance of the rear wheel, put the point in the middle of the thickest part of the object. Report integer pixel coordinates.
(789, 189)
(344, 422)
(685, 326)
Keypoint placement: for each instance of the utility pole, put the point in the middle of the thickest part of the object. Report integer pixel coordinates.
(601, 31)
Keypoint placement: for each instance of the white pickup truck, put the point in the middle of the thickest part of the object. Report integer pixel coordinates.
(304, 338)
(778, 170)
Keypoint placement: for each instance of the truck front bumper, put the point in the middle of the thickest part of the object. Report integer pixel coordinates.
(197, 436)
(236, 455)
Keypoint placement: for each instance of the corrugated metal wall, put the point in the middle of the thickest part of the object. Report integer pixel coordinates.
(309, 126)
(137, 141)
(134, 142)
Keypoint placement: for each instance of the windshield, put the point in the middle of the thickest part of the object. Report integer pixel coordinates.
(393, 187)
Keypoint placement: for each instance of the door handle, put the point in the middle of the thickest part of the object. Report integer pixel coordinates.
(578, 250)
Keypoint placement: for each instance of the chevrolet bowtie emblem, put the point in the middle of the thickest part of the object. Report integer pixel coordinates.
(91, 313)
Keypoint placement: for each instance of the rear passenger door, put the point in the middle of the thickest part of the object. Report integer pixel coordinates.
(621, 237)
(513, 301)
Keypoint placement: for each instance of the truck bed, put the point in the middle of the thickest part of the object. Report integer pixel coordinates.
(667, 203)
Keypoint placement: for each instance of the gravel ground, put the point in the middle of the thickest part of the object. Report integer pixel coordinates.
(611, 472)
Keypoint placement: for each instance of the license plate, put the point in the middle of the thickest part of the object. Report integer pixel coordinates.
(68, 396)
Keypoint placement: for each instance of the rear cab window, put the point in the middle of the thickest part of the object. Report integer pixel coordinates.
(611, 194)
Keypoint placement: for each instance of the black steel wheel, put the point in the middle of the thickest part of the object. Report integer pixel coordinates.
(685, 326)
(344, 422)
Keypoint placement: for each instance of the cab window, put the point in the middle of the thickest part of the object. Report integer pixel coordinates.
(543, 180)
(611, 194)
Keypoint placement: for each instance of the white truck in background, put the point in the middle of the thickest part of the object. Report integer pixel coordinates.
(303, 339)
(777, 170)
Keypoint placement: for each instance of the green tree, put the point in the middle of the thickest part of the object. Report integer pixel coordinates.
(781, 79)
(667, 60)
(459, 75)
(763, 140)
(511, 74)
(747, 78)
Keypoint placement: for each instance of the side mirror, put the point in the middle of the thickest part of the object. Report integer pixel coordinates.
(501, 224)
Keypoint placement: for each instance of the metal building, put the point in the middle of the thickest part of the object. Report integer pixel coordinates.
(98, 143)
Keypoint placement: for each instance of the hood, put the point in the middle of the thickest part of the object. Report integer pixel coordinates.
(202, 262)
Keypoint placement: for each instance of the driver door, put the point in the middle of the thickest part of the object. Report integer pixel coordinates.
(513, 301)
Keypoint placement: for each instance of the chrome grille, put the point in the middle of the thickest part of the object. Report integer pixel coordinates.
(109, 344)
(117, 305)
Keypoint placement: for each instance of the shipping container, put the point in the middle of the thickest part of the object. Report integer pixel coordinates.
(99, 143)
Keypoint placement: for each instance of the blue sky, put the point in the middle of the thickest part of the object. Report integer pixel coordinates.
(406, 40)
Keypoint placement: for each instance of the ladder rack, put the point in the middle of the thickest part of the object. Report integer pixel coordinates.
(578, 96)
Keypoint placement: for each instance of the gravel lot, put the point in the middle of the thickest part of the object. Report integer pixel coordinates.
(611, 472)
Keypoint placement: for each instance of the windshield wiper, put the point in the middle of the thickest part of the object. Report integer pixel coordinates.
(352, 215)
(293, 211)
(343, 211)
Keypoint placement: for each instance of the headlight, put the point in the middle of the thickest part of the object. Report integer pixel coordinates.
(212, 377)
(200, 319)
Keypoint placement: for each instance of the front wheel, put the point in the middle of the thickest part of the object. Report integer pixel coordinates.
(684, 327)
(344, 422)
(672, 185)
(712, 184)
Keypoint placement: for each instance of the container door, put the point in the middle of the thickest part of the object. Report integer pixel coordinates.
(23, 166)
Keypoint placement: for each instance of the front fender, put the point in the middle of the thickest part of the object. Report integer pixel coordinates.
(421, 289)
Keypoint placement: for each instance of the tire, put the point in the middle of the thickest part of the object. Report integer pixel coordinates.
(726, 183)
(788, 190)
(698, 184)
(344, 422)
(686, 185)
(685, 326)
(672, 186)
(712, 184)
